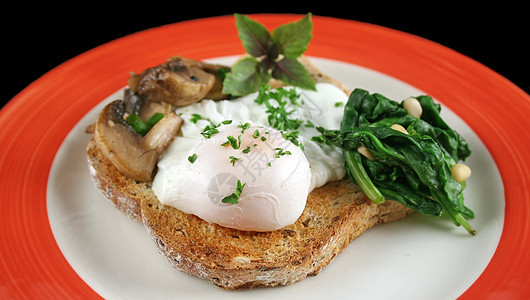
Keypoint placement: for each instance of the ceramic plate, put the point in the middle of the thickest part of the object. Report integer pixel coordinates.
(59, 237)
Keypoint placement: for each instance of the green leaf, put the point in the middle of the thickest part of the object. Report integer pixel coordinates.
(192, 158)
(292, 72)
(143, 127)
(234, 197)
(413, 169)
(136, 123)
(255, 37)
(293, 38)
(245, 78)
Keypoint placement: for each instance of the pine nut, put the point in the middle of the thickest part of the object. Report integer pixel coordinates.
(461, 172)
(399, 128)
(366, 152)
(413, 107)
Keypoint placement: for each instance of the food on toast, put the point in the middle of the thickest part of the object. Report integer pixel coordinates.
(364, 160)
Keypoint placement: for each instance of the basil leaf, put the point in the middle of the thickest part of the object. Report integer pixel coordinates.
(255, 37)
(270, 56)
(293, 38)
(292, 72)
(245, 78)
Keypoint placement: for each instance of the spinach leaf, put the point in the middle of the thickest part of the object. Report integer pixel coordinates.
(413, 169)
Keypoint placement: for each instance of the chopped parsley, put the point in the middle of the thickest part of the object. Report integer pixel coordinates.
(281, 153)
(140, 126)
(233, 160)
(279, 117)
(234, 197)
(244, 127)
(195, 117)
(210, 129)
(278, 114)
(192, 158)
(232, 141)
(292, 136)
(308, 123)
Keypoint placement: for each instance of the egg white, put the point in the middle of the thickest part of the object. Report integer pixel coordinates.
(276, 188)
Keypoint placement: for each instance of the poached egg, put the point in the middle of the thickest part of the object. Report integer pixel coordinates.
(197, 173)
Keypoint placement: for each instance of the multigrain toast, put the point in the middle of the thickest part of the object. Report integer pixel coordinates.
(335, 215)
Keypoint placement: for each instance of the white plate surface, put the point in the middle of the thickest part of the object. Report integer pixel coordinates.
(416, 258)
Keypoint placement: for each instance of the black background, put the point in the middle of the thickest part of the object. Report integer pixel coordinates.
(37, 39)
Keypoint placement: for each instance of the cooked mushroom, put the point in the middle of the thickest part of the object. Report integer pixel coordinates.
(216, 92)
(134, 155)
(175, 82)
(134, 104)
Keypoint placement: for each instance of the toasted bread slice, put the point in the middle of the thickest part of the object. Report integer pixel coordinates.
(126, 194)
(335, 215)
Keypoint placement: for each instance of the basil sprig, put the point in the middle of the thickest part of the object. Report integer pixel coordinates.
(270, 56)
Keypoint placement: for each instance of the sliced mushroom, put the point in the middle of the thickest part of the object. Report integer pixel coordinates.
(134, 155)
(174, 82)
(216, 92)
(134, 104)
(163, 133)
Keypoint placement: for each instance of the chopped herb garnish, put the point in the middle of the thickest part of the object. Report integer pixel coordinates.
(275, 102)
(246, 150)
(255, 134)
(339, 104)
(208, 131)
(281, 153)
(279, 116)
(232, 141)
(140, 126)
(233, 159)
(292, 136)
(192, 158)
(211, 129)
(195, 117)
(244, 127)
(308, 123)
(263, 138)
(234, 197)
